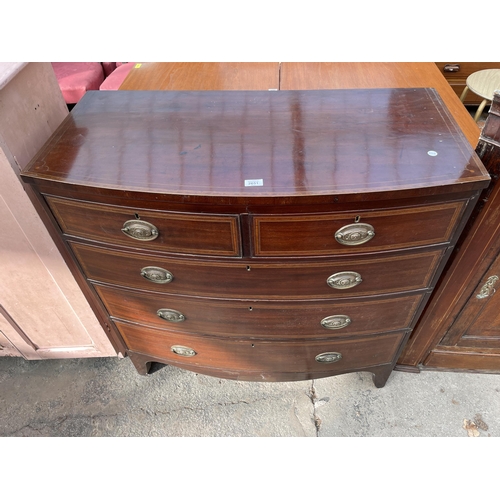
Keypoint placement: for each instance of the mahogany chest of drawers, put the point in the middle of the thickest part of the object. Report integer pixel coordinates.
(259, 235)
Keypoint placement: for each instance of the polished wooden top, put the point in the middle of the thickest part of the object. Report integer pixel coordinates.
(300, 76)
(202, 76)
(260, 143)
(297, 76)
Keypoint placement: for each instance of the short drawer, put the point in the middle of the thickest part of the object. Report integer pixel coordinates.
(261, 319)
(337, 234)
(342, 277)
(260, 356)
(161, 231)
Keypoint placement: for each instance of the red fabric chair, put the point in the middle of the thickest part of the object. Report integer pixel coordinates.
(115, 79)
(76, 78)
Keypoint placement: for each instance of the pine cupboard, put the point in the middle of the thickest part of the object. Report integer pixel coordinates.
(43, 312)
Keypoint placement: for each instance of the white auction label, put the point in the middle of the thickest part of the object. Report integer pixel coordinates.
(254, 182)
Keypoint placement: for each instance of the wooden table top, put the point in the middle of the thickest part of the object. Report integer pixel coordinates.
(203, 76)
(256, 144)
(300, 76)
(296, 76)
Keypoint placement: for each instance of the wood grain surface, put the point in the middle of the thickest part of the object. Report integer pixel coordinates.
(295, 143)
(203, 76)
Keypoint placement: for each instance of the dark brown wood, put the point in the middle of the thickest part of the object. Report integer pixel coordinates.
(256, 280)
(456, 321)
(347, 75)
(463, 359)
(308, 76)
(311, 235)
(262, 360)
(144, 362)
(247, 191)
(262, 319)
(177, 232)
(209, 143)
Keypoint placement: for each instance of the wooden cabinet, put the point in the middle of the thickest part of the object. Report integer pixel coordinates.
(473, 340)
(460, 329)
(43, 313)
(257, 235)
(456, 74)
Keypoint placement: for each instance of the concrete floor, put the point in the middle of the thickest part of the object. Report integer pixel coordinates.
(107, 397)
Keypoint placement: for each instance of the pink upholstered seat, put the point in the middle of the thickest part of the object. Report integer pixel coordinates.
(115, 79)
(75, 78)
(108, 68)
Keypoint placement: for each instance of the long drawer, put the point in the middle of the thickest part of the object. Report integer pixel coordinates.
(182, 233)
(334, 234)
(342, 277)
(261, 356)
(262, 319)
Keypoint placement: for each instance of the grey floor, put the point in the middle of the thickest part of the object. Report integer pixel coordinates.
(107, 397)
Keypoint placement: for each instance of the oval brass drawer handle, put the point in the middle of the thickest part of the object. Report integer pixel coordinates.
(355, 234)
(336, 322)
(140, 230)
(183, 351)
(328, 357)
(171, 315)
(157, 274)
(344, 279)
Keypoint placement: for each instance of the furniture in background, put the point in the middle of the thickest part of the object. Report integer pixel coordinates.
(43, 313)
(203, 76)
(298, 76)
(456, 75)
(114, 80)
(260, 235)
(460, 329)
(483, 83)
(76, 78)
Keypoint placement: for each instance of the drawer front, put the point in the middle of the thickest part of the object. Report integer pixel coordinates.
(266, 319)
(337, 234)
(167, 232)
(261, 356)
(341, 278)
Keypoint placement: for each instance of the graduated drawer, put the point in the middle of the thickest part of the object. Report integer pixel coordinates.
(363, 276)
(261, 356)
(176, 232)
(315, 235)
(263, 319)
